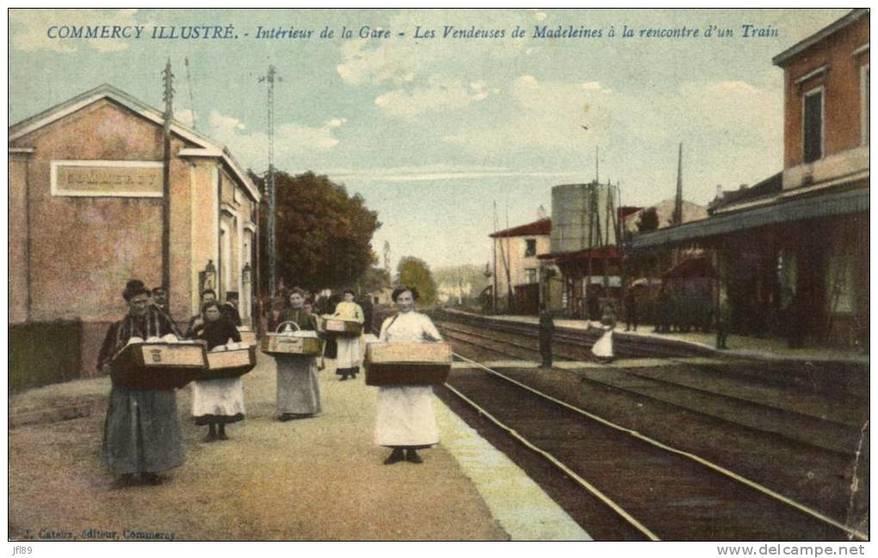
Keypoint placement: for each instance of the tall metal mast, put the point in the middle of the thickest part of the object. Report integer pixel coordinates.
(168, 98)
(269, 183)
(677, 218)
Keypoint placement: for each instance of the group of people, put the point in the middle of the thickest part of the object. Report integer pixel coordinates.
(142, 431)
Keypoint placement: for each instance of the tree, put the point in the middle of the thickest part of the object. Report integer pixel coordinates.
(375, 278)
(414, 272)
(324, 235)
(649, 220)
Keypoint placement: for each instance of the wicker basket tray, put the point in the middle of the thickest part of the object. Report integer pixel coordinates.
(288, 344)
(228, 364)
(158, 366)
(340, 327)
(399, 364)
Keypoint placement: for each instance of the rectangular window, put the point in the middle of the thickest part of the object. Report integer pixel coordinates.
(530, 249)
(530, 275)
(864, 104)
(813, 125)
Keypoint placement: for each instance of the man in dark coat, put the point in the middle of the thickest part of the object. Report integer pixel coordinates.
(230, 308)
(365, 302)
(547, 330)
(631, 309)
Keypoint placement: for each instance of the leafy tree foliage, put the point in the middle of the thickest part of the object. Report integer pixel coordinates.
(649, 220)
(414, 272)
(324, 235)
(375, 278)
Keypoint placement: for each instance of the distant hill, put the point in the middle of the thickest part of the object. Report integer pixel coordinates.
(460, 281)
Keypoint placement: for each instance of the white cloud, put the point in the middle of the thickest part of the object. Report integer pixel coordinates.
(435, 172)
(734, 105)
(550, 116)
(386, 63)
(438, 95)
(291, 139)
(541, 114)
(406, 60)
(30, 29)
(185, 117)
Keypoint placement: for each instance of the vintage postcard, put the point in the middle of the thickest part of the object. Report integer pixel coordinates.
(439, 275)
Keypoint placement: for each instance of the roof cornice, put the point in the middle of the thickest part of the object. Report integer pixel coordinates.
(785, 56)
(106, 91)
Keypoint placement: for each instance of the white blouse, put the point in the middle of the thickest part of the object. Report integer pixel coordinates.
(409, 326)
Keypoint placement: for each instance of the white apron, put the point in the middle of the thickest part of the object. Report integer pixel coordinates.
(405, 414)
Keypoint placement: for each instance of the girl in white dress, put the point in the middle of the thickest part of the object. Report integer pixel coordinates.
(405, 420)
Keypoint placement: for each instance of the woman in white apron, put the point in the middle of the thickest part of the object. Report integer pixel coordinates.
(405, 420)
(603, 347)
(347, 360)
(220, 401)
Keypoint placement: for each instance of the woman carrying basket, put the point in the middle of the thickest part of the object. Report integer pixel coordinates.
(298, 391)
(348, 355)
(405, 420)
(220, 401)
(142, 432)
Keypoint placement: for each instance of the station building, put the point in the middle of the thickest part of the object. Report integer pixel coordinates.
(792, 251)
(86, 214)
(517, 269)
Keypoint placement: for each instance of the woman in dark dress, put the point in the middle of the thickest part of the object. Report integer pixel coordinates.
(298, 389)
(142, 433)
(220, 401)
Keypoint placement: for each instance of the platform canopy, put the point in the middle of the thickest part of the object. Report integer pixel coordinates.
(777, 211)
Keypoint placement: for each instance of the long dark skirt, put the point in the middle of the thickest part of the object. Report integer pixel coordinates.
(298, 388)
(142, 432)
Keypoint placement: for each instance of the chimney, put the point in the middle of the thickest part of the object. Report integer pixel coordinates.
(719, 191)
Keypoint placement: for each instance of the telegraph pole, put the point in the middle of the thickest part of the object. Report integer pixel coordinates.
(677, 218)
(168, 97)
(269, 183)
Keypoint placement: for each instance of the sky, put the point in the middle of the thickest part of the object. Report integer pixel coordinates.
(435, 132)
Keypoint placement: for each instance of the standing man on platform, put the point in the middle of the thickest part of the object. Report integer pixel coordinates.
(547, 329)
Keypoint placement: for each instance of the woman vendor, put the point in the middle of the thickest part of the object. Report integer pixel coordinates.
(298, 391)
(219, 401)
(405, 421)
(142, 433)
(347, 360)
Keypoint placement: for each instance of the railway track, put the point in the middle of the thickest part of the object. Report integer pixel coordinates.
(847, 380)
(646, 489)
(802, 425)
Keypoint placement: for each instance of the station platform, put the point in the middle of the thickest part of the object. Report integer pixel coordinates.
(739, 345)
(304, 480)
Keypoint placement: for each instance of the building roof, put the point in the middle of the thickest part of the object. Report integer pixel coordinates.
(601, 253)
(542, 226)
(206, 146)
(855, 199)
(784, 57)
(767, 188)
